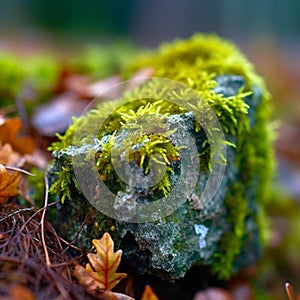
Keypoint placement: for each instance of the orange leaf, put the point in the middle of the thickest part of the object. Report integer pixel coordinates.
(9, 181)
(20, 292)
(101, 274)
(9, 134)
(148, 294)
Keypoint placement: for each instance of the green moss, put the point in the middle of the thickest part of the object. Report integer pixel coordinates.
(230, 246)
(11, 78)
(196, 62)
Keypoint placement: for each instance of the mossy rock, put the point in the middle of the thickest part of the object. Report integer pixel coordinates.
(228, 232)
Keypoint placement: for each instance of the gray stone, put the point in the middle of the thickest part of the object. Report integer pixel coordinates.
(191, 235)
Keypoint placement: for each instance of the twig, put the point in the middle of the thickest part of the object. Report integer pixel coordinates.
(23, 246)
(16, 212)
(70, 245)
(77, 234)
(48, 263)
(59, 286)
(36, 213)
(290, 291)
(10, 259)
(18, 170)
(67, 263)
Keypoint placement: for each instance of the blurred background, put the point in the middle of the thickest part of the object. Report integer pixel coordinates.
(151, 22)
(268, 31)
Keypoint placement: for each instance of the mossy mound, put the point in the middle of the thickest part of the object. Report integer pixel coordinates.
(228, 233)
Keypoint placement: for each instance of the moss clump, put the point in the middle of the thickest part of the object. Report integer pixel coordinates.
(197, 62)
(146, 145)
(222, 76)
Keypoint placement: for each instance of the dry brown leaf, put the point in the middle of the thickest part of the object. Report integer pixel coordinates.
(100, 274)
(148, 294)
(9, 182)
(20, 292)
(8, 156)
(9, 130)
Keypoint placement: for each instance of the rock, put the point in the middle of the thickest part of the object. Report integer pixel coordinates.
(138, 144)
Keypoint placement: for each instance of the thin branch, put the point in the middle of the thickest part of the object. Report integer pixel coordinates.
(290, 291)
(48, 263)
(10, 259)
(70, 245)
(36, 213)
(18, 170)
(77, 234)
(16, 212)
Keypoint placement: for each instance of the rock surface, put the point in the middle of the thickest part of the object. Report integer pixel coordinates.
(226, 233)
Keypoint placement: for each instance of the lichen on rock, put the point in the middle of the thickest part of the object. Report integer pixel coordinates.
(226, 233)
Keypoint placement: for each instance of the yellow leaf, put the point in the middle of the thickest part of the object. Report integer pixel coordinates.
(148, 294)
(101, 274)
(9, 181)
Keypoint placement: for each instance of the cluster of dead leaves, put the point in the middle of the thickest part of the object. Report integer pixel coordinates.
(100, 275)
(12, 151)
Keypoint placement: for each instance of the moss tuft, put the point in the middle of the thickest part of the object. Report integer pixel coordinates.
(199, 63)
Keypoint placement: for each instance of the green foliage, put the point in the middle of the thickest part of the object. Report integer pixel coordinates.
(42, 72)
(103, 161)
(11, 78)
(64, 183)
(102, 61)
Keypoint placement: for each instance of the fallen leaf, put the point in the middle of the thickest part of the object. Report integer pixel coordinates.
(8, 156)
(20, 292)
(9, 130)
(56, 115)
(100, 274)
(148, 294)
(9, 182)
